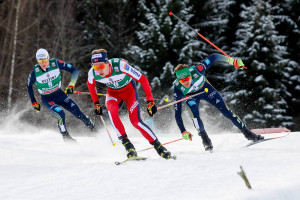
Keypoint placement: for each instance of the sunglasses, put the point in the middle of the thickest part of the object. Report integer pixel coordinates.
(96, 67)
(186, 79)
(42, 60)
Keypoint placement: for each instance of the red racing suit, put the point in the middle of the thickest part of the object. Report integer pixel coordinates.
(121, 87)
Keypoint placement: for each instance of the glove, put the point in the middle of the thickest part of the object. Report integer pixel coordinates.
(151, 108)
(238, 63)
(69, 89)
(36, 106)
(98, 108)
(187, 135)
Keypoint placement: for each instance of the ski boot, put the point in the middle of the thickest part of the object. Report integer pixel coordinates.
(250, 135)
(206, 141)
(67, 137)
(128, 146)
(161, 150)
(90, 124)
(92, 127)
(65, 134)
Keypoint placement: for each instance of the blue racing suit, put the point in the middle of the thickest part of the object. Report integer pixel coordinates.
(212, 96)
(58, 98)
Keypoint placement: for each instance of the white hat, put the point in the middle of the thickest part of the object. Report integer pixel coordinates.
(42, 54)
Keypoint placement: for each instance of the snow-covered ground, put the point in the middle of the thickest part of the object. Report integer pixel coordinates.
(37, 164)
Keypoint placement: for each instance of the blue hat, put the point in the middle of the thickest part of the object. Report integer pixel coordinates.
(99, 57)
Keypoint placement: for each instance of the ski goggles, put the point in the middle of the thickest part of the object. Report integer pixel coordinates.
(42, 60)
(96, 67)
(186, 79)
(183, 73)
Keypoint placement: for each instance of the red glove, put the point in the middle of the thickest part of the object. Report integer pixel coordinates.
(98, 108)
(238, 63)
(36, 106)
(151, 108)
(69, 90)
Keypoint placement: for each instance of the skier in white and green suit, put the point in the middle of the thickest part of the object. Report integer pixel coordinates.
(191, 80)
(46, 74)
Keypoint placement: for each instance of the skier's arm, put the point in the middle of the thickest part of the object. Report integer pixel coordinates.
(69, 68)
(31, 80)
(178, 109)
(92, 86)
(136, 75)
(215, 57)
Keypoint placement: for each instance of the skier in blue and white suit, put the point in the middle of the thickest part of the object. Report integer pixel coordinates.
(190, 81)
(46, 74)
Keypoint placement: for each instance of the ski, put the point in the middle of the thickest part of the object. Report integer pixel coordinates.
(267, 139)
(137, 158)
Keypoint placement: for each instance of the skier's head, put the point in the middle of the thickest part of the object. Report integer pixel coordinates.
(42, 57)
(100, 62)
(183, 75)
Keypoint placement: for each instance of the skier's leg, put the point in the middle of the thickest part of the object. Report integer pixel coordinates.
(57, 112)
(214, 98)
(112, 105)
(193, 103)
(70, 105)
(133, 106)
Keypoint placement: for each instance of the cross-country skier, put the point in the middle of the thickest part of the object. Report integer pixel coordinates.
(47, 76)
(121, 79)
(191, 80)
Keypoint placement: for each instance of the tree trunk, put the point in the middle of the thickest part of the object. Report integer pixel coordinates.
(13, 58)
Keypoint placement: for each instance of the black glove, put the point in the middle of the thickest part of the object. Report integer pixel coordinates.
(98, 108)
(151, 108)
(69, 89)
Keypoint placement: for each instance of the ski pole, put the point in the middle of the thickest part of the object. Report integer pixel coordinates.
(77, 92)
(114, 144)
(174, 102)
(162, 144)
(171, 13)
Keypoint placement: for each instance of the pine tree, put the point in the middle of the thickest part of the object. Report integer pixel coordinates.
(260, 90)
(107, 24)
(163, 42)
(287, 23)
(215, 25)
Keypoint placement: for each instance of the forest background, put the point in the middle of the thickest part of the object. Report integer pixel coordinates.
(264, 34)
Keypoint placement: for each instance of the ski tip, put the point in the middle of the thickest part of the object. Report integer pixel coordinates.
(117, 163)
(170, 13)
(173, 157)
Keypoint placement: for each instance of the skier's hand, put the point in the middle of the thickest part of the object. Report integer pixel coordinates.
(69, 89)
(98, 108)
(151, 108)
(36, 106)
(187, 135)
(238, 63)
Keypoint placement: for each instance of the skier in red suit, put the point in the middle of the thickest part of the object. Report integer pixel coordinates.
(120, 78)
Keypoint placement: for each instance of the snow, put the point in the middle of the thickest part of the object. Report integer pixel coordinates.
(259, 78)
(36, 164)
